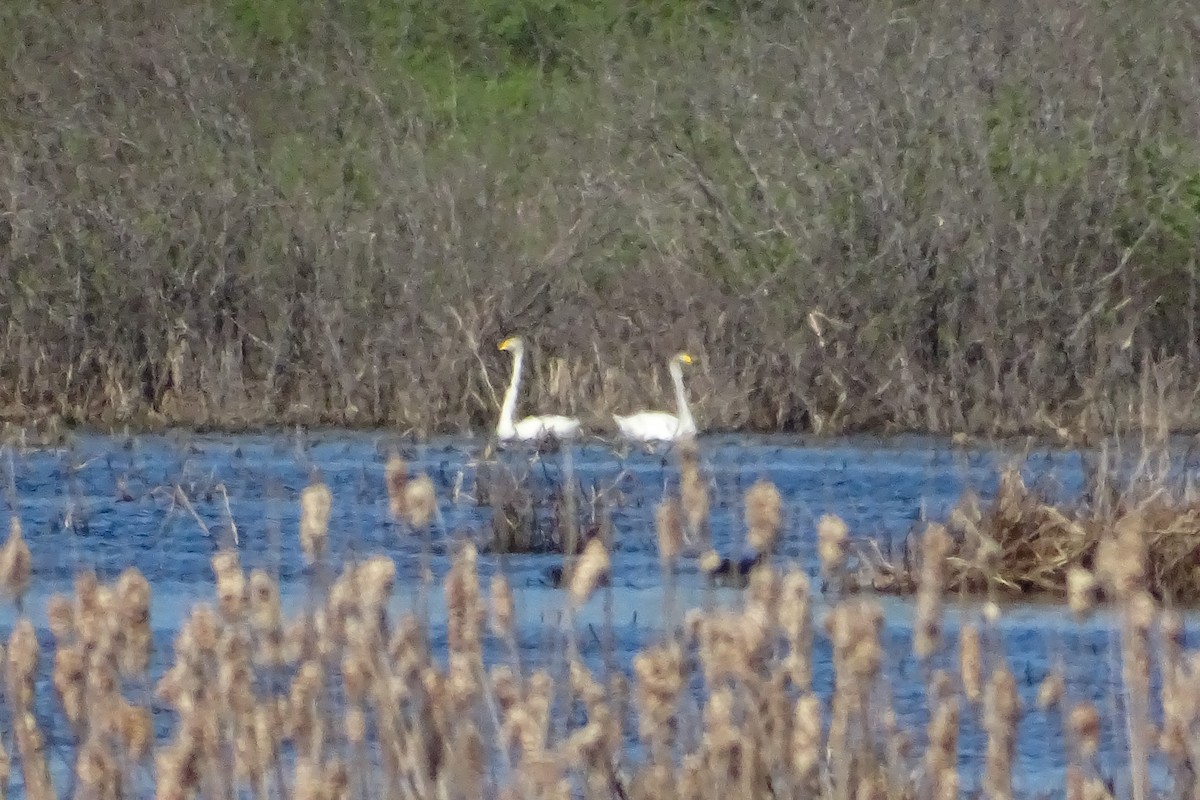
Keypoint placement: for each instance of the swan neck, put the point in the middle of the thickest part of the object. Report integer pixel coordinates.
(509, 407)
(685, 413)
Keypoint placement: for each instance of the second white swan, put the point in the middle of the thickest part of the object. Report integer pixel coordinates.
(662, 426)
(530, 428)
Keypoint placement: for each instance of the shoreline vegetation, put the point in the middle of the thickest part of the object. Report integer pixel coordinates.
(868, 216)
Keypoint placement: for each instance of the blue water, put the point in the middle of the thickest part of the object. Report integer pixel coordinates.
(164, 503)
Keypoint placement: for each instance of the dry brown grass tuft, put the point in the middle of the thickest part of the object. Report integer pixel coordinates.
(1023, 544)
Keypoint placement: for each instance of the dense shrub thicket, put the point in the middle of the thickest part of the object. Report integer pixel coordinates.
(885, 214)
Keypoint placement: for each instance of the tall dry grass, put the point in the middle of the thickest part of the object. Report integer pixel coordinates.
(1024, 542)
(861, 215)
(343, 699)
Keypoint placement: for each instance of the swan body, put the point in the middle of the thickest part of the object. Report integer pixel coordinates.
(662, 426)
(533, 428)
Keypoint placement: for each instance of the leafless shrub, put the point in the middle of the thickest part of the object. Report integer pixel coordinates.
(987, 216)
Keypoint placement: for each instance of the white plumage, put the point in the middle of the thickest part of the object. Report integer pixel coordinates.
(532, 428)
(662, 426)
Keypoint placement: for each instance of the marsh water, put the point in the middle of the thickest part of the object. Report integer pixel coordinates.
(164, 503)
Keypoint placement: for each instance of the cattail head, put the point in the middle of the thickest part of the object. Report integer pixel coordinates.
(1051, 689)
(502, 606)
(593, 566)
(970, 660)
(1142, 611)
(947, 783)
(943, 727)
(263, 599)
(87, 586)
(316, 501)
(795, 614)
(1084, 724)
(136, 729)
(693, 496)
(505, 687)
(1082, 589)
(936, 546)
(660, 678)
(795, 619)
(464, 606)
(231, 583)
(806, 739)
(70, 679)
(669, 526)
(133, 596)
(21, 665)
(133, 608)
(96, 769)
(831, 543)
(376, 578)
(1001, 701)
(1121, 558)
(16, 564)
(23, 653)
(61, 617)
(5, 765)
(420, 501)
(941, 686)
(1001, 712)
(395, 475)
(854, 628)
(764, 516)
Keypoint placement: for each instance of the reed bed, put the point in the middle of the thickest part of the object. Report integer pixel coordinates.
(1022, 543)
(345, 698)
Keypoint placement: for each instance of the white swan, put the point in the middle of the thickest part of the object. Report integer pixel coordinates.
(530, 428)
(661, 426)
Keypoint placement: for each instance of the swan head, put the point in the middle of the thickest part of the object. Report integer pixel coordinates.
(513, 344)
(683, 358)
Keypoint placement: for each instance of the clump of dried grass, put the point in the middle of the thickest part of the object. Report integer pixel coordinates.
(1024, 544)
(530, 514)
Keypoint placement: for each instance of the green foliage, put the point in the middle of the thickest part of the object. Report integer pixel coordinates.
(484, 37)
(1160, 225)
(1024, 154)
(275, 23)
(476, 60)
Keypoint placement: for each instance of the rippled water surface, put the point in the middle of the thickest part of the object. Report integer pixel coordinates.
(163, 503)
